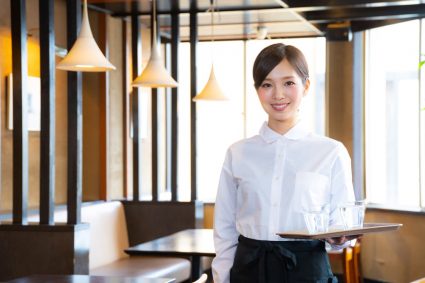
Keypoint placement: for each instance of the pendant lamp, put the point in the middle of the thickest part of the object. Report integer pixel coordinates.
(85, 55)
(211, 91)
(154, 75)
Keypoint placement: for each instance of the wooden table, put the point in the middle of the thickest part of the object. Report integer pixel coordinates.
(190, 243)
(88, 279)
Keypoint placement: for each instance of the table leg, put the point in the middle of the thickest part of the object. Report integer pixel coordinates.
(196, 267)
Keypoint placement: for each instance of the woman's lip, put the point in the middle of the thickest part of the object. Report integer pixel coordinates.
(279, 106)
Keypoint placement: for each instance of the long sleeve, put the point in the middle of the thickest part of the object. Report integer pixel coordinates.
(341, 188)
(225, 233)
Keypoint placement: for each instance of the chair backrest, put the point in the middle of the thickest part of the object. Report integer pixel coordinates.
(143, 218)
(202, 279)
(422, 280)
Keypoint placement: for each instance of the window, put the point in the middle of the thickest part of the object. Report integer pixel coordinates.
(220, 124)
(393, 116)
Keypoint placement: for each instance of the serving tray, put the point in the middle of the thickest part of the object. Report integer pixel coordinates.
(332, 233)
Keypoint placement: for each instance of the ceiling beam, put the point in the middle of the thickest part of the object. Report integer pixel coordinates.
(198, 10)
(357, 14)
(327, 4)
(366, 25)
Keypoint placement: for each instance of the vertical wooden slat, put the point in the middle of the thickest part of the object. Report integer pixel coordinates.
(20, 109)
(173, 140)
(135, 40)
(75, 116)
(154, 125)
(126, 109)
(193, 91)
(47, 119)
(104, 112)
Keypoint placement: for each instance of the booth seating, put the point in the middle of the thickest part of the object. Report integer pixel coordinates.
(116, 225)
(108, 239)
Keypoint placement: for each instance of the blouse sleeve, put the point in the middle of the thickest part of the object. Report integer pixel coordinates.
(225, 233)
(341, 187)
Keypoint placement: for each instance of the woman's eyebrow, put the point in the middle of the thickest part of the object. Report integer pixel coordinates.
(281, 78)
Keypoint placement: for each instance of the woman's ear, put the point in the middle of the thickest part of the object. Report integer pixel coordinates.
(306, 86)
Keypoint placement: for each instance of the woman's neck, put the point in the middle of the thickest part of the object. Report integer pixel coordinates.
(282, 127)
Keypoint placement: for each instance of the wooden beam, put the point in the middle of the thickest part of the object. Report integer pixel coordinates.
(326, 4)
(47, 119)
(193, 92)
(154, 125)
(75, 119)
(173, 139)
(245, 8)
(135, 41)
(20, 110)
(125, 111)
(103, 112)
(369, 13)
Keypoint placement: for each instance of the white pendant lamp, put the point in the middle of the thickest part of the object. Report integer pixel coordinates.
(154, 75)
(85, 55)
(211, 91)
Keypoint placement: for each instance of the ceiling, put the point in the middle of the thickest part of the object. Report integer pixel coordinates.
(249, 19)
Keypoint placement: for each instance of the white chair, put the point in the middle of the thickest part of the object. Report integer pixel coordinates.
(202, 279)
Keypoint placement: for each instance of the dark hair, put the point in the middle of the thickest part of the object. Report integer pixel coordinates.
(272, 55)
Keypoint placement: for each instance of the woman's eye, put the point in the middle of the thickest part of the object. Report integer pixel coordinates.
(289, 83)
(266, 85)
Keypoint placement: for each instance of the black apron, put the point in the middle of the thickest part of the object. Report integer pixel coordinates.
(281, 261)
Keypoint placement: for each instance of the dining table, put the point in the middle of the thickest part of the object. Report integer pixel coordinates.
(190, 243)
(77, 278)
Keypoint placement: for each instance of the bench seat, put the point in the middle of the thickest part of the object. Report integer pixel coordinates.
(146, 266)
(109, 238)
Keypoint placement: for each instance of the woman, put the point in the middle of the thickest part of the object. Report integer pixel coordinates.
(269, 180)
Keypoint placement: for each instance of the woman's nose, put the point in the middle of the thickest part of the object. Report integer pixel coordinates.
(279, 93)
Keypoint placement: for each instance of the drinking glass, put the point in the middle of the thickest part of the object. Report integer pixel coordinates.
(353, 213)
(317, 219)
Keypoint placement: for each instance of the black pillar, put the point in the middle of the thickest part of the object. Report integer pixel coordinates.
(173, 139)
(47, 119)
(20, 110)
(75, 117)
(135, 41)
(193, 92)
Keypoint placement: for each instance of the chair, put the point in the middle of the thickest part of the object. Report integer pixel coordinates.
(421, 280)
(350, 259)
(202, 279)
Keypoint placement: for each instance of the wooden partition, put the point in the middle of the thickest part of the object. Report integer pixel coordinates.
(147, 220)
(43, 249)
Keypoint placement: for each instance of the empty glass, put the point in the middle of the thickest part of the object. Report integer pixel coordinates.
(317, 219)
(353, 213)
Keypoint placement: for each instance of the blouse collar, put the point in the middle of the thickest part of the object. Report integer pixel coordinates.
(298, 131)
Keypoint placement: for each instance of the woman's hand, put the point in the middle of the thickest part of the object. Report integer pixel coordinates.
(341, 240)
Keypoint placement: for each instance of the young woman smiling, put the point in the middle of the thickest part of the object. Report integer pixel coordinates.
(270, 179)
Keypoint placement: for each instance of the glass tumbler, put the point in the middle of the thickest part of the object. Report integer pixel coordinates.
(317, 219)
(353, 214)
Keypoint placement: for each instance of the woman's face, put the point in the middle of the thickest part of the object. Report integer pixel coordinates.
(280, 95)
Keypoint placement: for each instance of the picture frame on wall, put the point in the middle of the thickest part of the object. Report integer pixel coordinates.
(34, 103)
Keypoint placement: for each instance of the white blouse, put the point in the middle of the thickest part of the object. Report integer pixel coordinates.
(267, 181)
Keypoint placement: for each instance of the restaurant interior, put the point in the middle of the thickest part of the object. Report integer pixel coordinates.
(112, 142)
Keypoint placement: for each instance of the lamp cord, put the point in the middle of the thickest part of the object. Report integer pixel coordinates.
(212, 2)
(155, 37)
